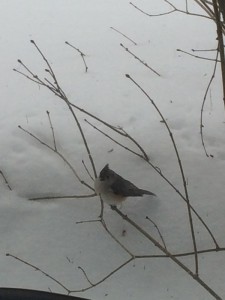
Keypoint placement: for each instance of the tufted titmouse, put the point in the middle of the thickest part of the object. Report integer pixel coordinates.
(114, 189)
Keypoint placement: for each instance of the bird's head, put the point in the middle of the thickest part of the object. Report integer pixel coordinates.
(107, 175)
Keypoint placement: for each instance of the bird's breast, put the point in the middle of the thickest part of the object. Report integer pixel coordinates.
(99, 186)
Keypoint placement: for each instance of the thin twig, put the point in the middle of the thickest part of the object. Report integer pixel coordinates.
(183, 254)
(152, 15)
(116, 129)
(49, 70)
(123, 35)
(26, 68)
(157, 228)
(203, 104)
(204, 50)
(52, 129)
(38, 269)
(26, 76)
(106, 277)
(197, 56)
(54, 89)
(112, 139)
(62, 197)
(81, 53)
(88, 221)
(174, 9)
(85, 274)
(86, 169)
(221, 44)
(141, 61)
(5, 180)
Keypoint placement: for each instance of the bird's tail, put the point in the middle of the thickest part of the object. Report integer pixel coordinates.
(144, 192)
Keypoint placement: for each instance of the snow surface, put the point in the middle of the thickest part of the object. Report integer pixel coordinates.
(44, 233)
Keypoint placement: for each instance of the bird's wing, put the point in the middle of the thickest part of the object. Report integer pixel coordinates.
(125, 188)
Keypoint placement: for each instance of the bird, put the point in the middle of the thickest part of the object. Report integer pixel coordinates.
(114, 189)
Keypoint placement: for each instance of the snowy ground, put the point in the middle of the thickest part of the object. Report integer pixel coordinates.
(44, 233)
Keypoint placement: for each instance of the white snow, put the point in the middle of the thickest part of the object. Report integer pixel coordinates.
(44, 233)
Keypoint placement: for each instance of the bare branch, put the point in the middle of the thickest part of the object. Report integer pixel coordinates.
(152, 15)
(116, 129)
(5, 180)
(112, 139)
(81, 53)
(196, 56)
(59, 154)
(203, 104)
(57, 90)
(104, 278)
(173, 9)
(86, 169)
(157, 228)
(52, 129)
(38, 269)
(221, 44)
(62, 197)
(123, 35)
(181, 171)
(165, 251)
(141, 61)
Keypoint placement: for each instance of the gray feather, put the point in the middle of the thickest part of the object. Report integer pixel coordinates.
(120, 186)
